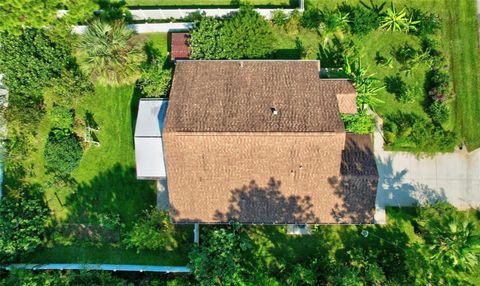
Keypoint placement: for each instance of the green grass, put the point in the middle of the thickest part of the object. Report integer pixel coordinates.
(208, 3)
(462, 33)
(105, 183)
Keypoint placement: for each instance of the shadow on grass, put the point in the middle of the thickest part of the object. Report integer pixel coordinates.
(115, 191)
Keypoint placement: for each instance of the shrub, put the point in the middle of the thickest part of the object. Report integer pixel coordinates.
(396, 85)
(69, 87)
(246, 35)
(279, 18)
(23, 222)
(428, 23)
(361, 20)
(409, 131)
(439, 112)
(361, 123)
(153, 232)
(311, 18)
(293, 22)
(204, 43)
(61, 117)
(155, 81)
(62, 153)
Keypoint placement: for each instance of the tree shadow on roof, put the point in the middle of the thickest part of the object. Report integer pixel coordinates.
(357, 185)
(255, 204)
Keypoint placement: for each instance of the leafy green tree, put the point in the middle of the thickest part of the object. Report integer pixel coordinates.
(62, 153)
(247, 35)
(153, 231)
(218, 260)
(23, 220)
(204, 43)
(111, 55)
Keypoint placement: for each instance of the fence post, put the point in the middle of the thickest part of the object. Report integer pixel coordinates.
(301, 4)
(196, 233)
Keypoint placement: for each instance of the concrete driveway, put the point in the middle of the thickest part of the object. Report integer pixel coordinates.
(406, 180)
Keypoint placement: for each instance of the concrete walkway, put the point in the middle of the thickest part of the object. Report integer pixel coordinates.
(406, 180)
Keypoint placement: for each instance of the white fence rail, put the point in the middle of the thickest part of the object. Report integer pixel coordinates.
(148, 28)
(164, 14)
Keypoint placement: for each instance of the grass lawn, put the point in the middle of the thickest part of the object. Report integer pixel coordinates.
(210, 3)
(462, 32)
(459, 38)
(111, 254)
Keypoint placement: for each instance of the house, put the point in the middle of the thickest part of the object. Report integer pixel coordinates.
(262, 142)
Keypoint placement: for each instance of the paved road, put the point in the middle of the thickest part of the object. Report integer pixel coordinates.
(407, 180)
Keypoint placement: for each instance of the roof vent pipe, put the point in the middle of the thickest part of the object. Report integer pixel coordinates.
(274, 111)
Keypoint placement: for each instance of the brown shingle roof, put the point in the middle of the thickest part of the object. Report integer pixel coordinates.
(228, 157)
(238, 96)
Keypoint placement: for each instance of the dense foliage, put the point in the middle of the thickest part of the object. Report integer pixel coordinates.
(23, 220)
(217, 261)
(360, 123)
(155, 79)
(245, 35)
(153, 231)
(62, 153)
(28, 62)
(409, 131)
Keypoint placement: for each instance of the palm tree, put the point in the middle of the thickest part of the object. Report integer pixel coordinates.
(366, 84)
(454, 242)
(333, 25)
(395, 20)
(108, 52)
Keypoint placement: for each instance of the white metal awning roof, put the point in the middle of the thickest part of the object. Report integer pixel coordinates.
(148, 139)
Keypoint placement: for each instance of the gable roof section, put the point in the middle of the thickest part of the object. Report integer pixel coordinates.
(238, 96)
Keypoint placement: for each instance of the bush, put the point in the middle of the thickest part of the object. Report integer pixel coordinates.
(153, 232)
(439, 112)
(428, 23)
(155, 81)
(396, 85)
(23, 222)
(69, 87)
(409, 131)
(62, 153)
(362, 21)
(246, 35)
(279, 18)
(62, 118)
(311, 18)
(361, 123)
